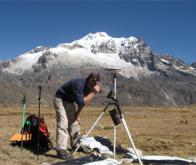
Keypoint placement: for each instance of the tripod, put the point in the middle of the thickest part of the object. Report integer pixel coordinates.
(117, 117)
(38, 133)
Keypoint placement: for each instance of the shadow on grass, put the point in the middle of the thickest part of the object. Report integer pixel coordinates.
(82, 160)
(32, 148)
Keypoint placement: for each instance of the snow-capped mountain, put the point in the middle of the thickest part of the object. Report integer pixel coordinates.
(132, 55)
(97, 49)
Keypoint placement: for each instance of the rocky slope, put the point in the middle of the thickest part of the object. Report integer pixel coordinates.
(145, 78)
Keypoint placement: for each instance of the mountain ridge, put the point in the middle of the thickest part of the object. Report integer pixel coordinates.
(125, 52)
(148, 74)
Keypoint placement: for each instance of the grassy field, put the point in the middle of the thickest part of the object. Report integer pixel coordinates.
(159, 131)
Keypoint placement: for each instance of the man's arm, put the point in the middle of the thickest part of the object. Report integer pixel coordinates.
(78, 112)
(87, 99)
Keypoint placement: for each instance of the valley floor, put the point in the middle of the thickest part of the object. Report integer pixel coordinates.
(167, 131)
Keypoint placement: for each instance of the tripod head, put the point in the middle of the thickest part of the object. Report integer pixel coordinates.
(112, 92)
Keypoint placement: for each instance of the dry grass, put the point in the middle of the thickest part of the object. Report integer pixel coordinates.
(160, 131)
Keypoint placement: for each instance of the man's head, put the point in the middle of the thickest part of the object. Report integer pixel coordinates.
(93, 79)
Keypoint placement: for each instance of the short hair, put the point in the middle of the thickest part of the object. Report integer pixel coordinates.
(94, 76)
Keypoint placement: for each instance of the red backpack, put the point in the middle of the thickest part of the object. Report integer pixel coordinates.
(31, 127)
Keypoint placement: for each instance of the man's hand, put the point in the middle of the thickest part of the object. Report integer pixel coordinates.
(97, 88)
(76, 120)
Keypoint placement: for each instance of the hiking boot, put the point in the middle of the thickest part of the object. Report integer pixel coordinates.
(64, 154)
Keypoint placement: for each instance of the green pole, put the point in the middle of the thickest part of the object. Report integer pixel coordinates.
(23, 110)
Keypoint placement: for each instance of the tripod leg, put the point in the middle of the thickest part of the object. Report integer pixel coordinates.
(131, 140)
(114, 147)
(89, 132)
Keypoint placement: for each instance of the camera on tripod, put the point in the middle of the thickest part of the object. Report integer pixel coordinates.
(115, 116)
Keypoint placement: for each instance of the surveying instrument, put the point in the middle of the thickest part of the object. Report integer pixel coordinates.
(116, 115)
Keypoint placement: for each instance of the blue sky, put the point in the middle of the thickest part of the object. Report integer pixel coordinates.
(166, 26)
